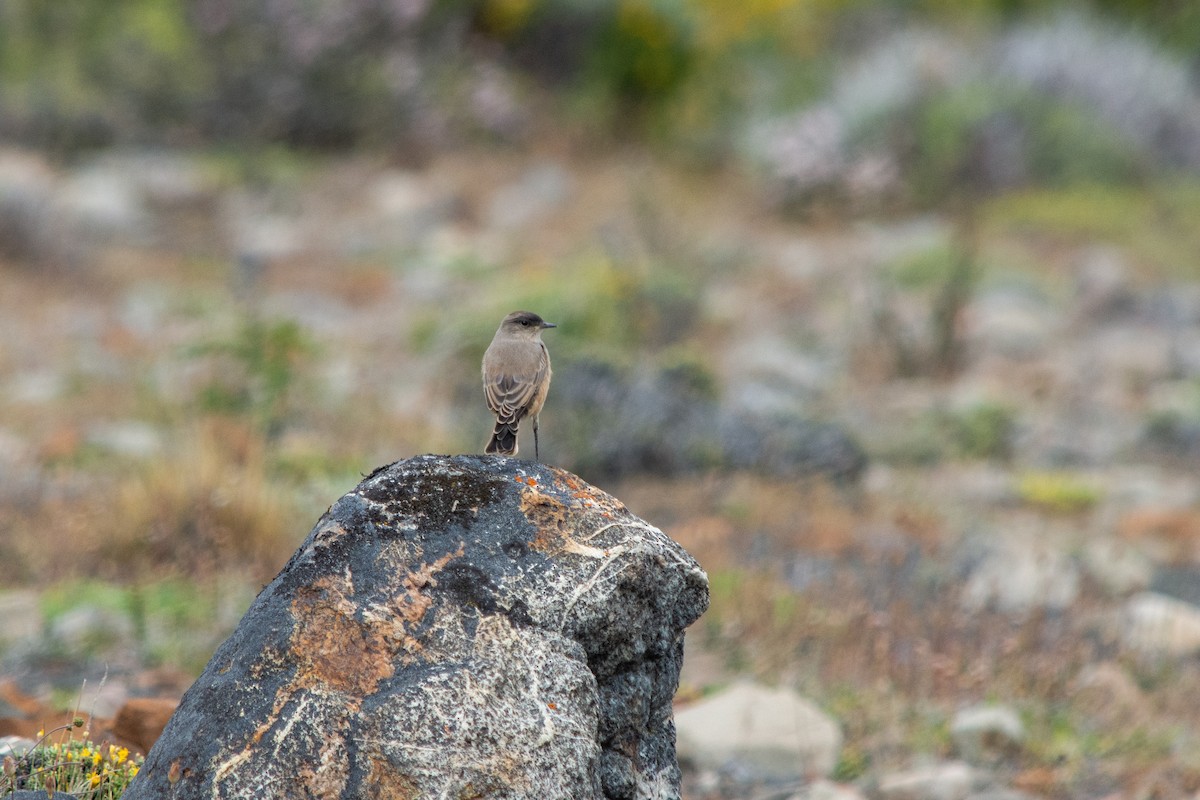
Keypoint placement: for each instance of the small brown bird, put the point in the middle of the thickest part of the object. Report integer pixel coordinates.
(516, 378)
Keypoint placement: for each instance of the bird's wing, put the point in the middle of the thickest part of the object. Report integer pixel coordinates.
(509, 396)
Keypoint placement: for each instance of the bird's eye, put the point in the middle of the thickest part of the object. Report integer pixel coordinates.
(525, 322)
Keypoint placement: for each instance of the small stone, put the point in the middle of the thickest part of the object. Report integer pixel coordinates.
(15, 746)
(131, 438)
(985, 735)
(1158, 625)
(1117, 565)
(775, 730)
(1107, 695)
(827, 790)
(952, 780)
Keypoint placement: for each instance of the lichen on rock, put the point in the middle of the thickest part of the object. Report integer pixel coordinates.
(452, 627)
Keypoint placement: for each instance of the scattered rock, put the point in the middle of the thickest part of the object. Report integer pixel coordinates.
(952, 780)
(986, 735)
(463, 625)
(1018, 574)
(1158, 625)
(775, 731)
(1107, 695)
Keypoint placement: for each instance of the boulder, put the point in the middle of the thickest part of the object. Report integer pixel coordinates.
(453, 627)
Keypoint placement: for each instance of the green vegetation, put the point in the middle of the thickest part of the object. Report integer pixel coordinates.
(258, 370)
(984, 430)
(680, 70)
(1151, 223)
(981, 431)
(174, 622)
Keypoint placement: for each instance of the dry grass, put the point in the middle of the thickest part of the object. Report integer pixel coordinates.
(210, 506)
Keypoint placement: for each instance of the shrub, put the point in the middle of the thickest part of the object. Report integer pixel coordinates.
(78, 767)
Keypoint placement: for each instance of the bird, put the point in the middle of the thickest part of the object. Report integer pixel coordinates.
(516, 378)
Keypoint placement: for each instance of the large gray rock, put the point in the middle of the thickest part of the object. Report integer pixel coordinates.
(452, 627)
(618, 422)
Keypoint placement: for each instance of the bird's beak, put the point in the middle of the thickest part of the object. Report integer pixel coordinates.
(549, 325)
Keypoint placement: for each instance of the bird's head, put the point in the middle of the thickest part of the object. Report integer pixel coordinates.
(525, 324)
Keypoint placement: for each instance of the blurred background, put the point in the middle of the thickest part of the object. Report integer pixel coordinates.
(888, 310)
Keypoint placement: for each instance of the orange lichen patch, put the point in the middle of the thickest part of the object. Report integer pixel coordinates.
(384, 781)
(549, 517)
(409, 607)
(327, 779)
(586, 493)
(333, 649)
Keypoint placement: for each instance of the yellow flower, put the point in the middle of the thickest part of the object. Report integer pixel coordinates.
(133, 771)
(97, 758)
(41, 732)
(94, 779)
(85, 753)
(122, 754)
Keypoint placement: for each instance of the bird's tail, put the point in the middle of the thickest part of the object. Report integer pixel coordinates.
(504, 440)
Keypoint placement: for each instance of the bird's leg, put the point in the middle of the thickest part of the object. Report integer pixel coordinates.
(536, 456)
